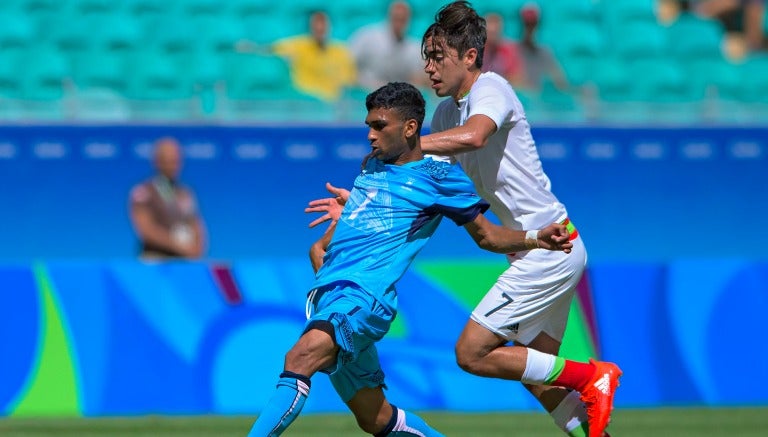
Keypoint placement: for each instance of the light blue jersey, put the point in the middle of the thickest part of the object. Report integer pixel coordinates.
(391, 213)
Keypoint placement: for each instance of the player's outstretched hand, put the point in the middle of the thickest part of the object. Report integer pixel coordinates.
(330, 206)
(555, 237)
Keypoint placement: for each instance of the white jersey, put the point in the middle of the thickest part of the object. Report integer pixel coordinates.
(507, 171)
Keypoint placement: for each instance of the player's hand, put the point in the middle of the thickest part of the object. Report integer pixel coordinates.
(555, 237)
(331, 206)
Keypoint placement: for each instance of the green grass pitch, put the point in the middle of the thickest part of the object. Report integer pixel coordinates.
(674, 422)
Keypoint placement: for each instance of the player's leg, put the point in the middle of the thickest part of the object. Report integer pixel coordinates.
(360, 385)
(534, 296)
(479, 351)
(315, 350)
(563, 405)
(375, 415)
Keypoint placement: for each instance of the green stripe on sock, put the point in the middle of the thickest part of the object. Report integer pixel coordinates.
(557, 369)
(580, 431)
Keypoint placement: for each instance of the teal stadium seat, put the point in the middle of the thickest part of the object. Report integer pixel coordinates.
(559, 12)
(217, 35)
(17, 32)
(659, 80)
(692, 37)
(258, 89)
(115, 33)
(754, 79)
(580, 44)
(256, 77)
(40, 11)
(260, 20)
(89, 8)
(611, 84)
(149, 10)
(101, 70)
(349, 16)
(508, 10)
(754, 88)
(719, 82)
(247, 9)
(557, 106)
(101, 84)
(639, 40)
(153, 76)
(157, 89)
(194, 9)
(617, 13)
(10, 81)
(69, 36)
(44, 72)
(293, 17)
(667, 94)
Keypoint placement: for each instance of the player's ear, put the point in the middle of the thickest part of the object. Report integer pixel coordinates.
(470, 56)
(411, 128)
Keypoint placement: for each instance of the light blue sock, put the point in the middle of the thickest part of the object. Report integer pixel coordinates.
(405, 423)
(283, 407)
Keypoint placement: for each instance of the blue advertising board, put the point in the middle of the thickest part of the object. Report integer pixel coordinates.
(634, 194)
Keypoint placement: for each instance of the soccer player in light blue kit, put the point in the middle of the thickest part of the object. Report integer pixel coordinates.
(396, 203)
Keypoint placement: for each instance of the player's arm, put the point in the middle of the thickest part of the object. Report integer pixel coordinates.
(320, 247)
(499, 239)
(470, 136)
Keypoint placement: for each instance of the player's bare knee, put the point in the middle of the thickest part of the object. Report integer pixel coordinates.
(468, 358)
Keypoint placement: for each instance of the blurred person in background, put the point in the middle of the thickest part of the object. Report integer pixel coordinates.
(539, 61)
(319, 66)
(501, 55)
(164, 212)
(743, 19)
(385, 53)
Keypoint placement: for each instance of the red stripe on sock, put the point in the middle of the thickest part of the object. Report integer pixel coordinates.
(575, 375)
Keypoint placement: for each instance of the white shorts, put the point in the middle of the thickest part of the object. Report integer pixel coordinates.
(533, 295)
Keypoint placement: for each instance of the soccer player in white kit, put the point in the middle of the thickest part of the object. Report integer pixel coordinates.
(482, 125)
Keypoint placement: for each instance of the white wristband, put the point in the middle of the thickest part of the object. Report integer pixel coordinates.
(532, 239)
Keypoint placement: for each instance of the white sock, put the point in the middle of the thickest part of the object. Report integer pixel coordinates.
(570, 413)
(538, 366)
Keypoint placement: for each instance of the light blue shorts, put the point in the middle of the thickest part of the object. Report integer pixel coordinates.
(359, 321)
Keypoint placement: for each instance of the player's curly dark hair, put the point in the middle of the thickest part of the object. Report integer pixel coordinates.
(402, 97)
(458, 26)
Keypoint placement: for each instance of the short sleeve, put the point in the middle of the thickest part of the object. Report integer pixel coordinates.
(457, 198)
(140, 195)
(489, 98)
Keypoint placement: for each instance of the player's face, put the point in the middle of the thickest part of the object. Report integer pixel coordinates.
(449, 73)
(387, 135)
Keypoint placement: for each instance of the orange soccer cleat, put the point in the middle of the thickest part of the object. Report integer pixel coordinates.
(598, 396)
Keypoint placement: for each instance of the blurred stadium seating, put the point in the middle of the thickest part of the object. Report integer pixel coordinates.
(146, 60)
